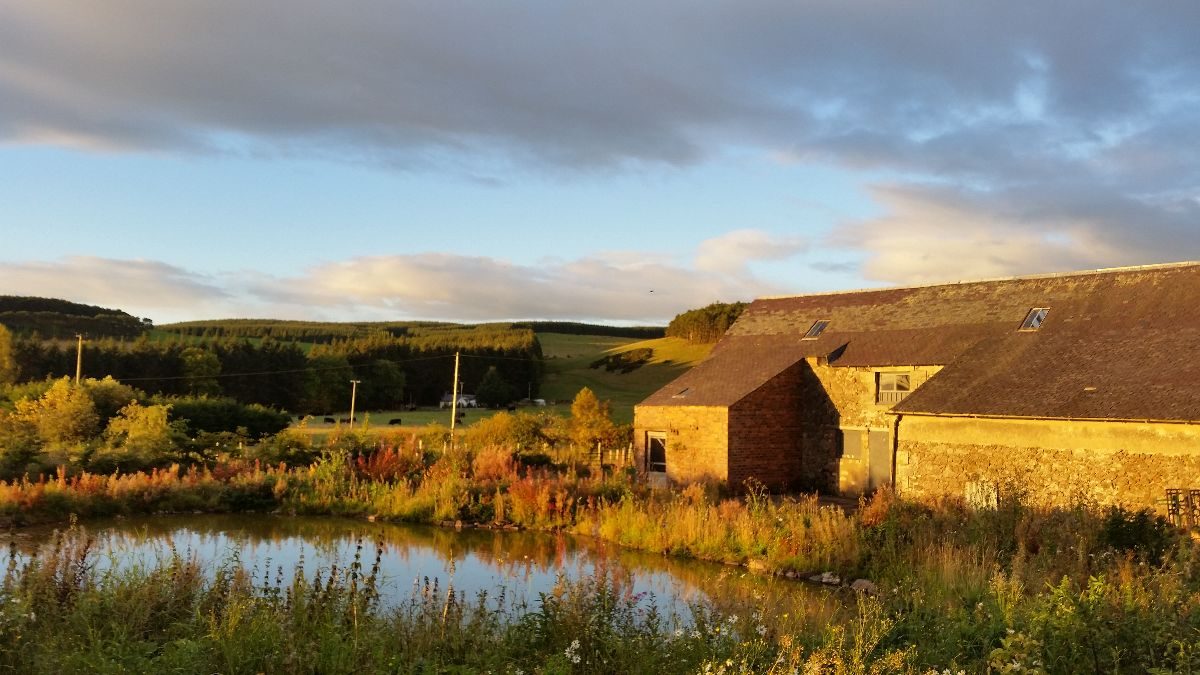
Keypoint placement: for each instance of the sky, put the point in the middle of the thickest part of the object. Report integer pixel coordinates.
(617, 162)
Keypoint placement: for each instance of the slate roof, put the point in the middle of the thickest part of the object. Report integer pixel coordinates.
(1149, 375)
(737, 366)
(1132, 333)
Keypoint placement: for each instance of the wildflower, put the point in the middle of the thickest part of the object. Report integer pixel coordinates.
(678, 632)
(762, 630)
(733, 618)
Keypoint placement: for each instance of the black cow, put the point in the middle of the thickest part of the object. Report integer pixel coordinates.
(330, 420)
(395, 421)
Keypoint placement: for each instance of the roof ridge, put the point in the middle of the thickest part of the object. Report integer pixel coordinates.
(1047, 275)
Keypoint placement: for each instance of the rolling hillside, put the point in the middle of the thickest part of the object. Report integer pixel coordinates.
(569, 361)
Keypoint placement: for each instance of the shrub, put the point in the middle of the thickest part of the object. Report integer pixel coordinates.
(1143, 533)
(203, 414)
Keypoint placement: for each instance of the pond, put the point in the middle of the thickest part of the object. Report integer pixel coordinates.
(523, 564)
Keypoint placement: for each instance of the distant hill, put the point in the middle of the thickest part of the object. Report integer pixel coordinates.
(324, 332)
(55, 318)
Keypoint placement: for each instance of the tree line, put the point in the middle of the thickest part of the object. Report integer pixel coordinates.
(324, 332)
(394, 370)
(706, 324)
(54, 318)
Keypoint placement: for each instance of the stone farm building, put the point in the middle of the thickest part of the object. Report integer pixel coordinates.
(1062, 386)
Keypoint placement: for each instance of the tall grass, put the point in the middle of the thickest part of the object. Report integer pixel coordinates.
(1011, 588)
(59, 614)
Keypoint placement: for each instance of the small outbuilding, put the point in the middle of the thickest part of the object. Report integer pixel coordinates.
(1065, 386)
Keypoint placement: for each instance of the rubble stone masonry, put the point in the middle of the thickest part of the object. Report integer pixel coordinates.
(697, 440)
(1050, 461)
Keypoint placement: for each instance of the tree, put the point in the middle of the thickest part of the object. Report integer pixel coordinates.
(493, 390)
(8, 362)
(64, 414)
(109, 396)
(383, 385)
(139, 436)
(201, 368)
(327, 383)
(590, 420)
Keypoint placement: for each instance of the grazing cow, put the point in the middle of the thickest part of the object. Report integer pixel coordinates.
(512, 407)
(330, 420)
(395, 421)
(345, 420)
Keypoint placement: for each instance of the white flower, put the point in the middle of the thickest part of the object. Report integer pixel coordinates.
(678, 632)
(762, 630)
(574, 644)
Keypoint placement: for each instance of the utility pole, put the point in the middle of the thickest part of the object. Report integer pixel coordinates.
(78, 357)
(454, 398)
(353, 394)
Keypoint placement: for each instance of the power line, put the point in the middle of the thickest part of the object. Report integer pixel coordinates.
(281, 372)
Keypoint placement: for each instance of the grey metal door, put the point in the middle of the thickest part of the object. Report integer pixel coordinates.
(879, 447)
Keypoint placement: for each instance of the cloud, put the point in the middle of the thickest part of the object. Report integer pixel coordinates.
(584, 84)
(732, 252)
(938, 234)
(141, 287)
(1038, 123)
(627, 287)
(447, 286)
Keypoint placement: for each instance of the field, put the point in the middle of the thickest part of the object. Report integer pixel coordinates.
(568, 361)
(569, 357)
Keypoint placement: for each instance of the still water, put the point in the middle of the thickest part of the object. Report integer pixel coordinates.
(524, 564)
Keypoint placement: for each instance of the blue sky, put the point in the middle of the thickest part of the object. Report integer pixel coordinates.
(618, 162)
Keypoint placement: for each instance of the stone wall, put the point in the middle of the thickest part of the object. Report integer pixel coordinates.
(766, 435)
(697, 440)
(1051, 461)
(840, 399)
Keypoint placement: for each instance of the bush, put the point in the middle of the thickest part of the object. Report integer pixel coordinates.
(1145, 534)
(203, 414)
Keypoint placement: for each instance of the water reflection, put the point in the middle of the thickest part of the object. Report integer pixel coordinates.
(525, 564)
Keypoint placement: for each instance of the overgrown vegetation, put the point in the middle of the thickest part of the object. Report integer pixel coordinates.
(1011, 589)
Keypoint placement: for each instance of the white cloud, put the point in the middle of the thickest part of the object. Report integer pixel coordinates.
(628, 287)
(140, 287)
(446, 286)
(936, 235)
(731, 253)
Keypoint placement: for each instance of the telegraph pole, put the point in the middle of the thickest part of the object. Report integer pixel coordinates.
(454, 398)
(78, 357)
(353, 394)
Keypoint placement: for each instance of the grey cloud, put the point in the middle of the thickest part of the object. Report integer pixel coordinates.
(573, 84)
(1076, 111)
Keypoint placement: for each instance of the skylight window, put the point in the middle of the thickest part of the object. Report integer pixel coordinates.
(815, 330)
(1035, 318)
